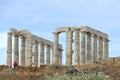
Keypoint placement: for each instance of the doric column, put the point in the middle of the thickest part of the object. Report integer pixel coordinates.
(100, 49)
(28, 59)
(22, 60)
(60, 55)
(94, 48)
(9, 49)
(105, 44)
(69, 48)
(55, 55)
(77, 48)
(47, 54)
(35, 54)
(42, 54)
(83, 48)
(16, 48)
(89, 53)
(52, 54)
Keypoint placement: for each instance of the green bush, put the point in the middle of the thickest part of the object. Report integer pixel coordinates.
(90, 76)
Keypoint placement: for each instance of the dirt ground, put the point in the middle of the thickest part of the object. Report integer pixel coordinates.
(110, 68)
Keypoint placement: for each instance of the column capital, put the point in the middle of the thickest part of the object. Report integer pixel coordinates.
(83, 31)
(9, 33)
(105, 40)
(15, 35)
(94, 35)
(99, 37)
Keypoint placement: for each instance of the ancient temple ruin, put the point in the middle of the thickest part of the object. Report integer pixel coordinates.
(89, 45)
(29, 49)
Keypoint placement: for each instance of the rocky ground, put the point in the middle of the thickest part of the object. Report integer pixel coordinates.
(112, 71)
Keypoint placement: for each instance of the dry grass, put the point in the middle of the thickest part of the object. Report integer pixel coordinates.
(37, 73)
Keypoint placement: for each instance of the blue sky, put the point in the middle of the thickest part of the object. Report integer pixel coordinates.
(41, 17)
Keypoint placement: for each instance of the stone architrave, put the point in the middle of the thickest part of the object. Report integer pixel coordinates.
(105, 44)
(69, 48)
(100, 49)
(56, 44)
(35, 54)
(47, 54)
(22, 59)
(94, 47)
(42, 54)
(9, 50)
(89, 53)
(83, 48)
(77, 48)
(28, 61)
(16, 48)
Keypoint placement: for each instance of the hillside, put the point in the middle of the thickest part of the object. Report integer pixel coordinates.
(111, 69)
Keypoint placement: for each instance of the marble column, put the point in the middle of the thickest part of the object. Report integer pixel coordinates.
(47, 54)
(35, 54)
(77, 48)
(100, 49)
(89, 52)
(105, 44)
(83, 48)
(60, 55)
(9, 50)
(28, 59)
(69, 48)
(16, 48)
(42, 54)
(22, 60)
(52, 54)
(55, 55)
(94, 48)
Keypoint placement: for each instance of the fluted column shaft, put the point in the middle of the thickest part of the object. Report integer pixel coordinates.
(94, 48)
(83, 48)
(35, 54)
(28, 61)
(77, 48)
(100, 49)
(52, 54)
(56, 45)
(60, 55)
(42, 54)
(89, 52)
(22, 60)
(47, 54)
(9, 49)
(69, 48)
(16, 48)
(105, 44)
